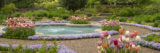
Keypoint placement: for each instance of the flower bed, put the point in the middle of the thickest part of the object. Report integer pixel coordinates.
(110, 25)
(78, 20)
(62, 48)
(142, 26)
(18, 28)
(150, 44)
(124, 44)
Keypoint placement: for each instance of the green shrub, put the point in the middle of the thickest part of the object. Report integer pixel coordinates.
(2, 18)
(154, 37)
(79, 22)
(40, 13)
(59, 13)
(104, 27)
(8, 9)
(91, 10)
(127, 12)
(123, 19)
(28, 14)
(17, 14)
(19, 33)
(38, 18)
(73, 4)
(156, 23)
(81, 15)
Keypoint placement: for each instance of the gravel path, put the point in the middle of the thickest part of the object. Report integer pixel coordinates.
(82, 45)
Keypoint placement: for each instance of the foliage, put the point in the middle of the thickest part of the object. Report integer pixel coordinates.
(123, 19)
(108, 28)
(127, 12)
(17, 14)
(73, 4)
(20, 33)
(102, 7)
(91, 10)
(60, 13)
(40, 13)
(156, 23)
(91, 3)
(47, 4)
(81, 15)
(8, 9)
(79, 22)
(2, 18)
(153, 37)
(28, 14)
(20, 3)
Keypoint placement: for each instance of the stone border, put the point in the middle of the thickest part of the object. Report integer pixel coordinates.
(62, 48)
(150, 44)
(69, 37)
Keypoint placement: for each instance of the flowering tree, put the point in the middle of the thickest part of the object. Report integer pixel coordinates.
(124, 44)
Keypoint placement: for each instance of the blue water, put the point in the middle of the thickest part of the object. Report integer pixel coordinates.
(61, 30)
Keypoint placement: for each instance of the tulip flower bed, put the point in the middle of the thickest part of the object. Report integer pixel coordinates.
(39, 48)
(78, 20)
(151, 44)
(18, 28)
(124, 44)
(110, 25)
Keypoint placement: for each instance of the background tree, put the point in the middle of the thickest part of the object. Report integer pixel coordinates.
(73, 4)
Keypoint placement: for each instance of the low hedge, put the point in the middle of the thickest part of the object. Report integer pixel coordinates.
(79, 22)
(19, 33)
(104, 27)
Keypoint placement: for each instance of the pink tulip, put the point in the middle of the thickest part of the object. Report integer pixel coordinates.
(105, 33)
(132, 35)
(102, 37)
(99, 43)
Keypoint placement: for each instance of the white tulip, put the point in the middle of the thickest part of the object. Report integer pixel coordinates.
(133, 46)
(98, 47)
(109, 37)
(127, 33)
(139, 46)
(138, 38)
(127, 39)
(123, 38)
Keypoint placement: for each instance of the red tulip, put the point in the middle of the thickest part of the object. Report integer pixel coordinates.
(115, 42)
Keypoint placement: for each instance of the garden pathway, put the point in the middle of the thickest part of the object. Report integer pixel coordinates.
(82, 45)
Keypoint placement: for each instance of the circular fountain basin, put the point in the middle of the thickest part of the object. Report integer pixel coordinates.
(65, 29)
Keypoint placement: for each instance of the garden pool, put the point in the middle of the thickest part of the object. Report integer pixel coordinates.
(62, 30)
